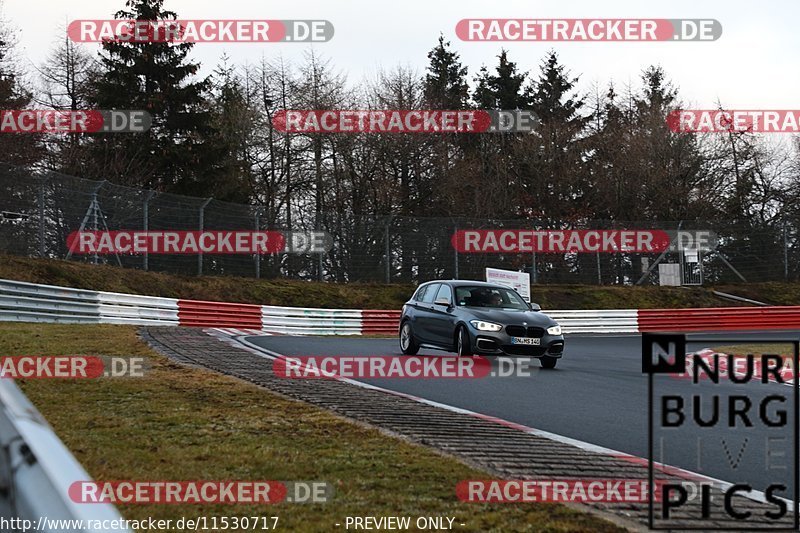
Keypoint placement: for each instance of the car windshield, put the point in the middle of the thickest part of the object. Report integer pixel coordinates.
(494, 297)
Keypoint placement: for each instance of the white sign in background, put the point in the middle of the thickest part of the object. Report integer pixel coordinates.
(519, 281)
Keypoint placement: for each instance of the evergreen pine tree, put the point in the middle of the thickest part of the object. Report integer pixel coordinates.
(159, 78)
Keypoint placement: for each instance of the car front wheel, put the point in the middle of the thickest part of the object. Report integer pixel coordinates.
(407, 343)
(463, 345)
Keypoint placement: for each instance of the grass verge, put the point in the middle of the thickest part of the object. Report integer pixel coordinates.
(213, 288)
(180, 423)
(741, 350)
(351, 295)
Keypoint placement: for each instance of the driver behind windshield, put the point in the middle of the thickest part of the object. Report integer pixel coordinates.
(487, 298)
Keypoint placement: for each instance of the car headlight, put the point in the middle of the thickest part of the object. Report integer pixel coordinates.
(554, 330)
(480, 325)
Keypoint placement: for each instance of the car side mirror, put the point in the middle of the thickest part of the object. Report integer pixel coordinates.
(442, 301)
(535, 306)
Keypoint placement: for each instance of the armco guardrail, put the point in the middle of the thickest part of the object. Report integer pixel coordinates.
(311, 321)
(37, 470)
(195, 313)
(596, 321)
(380, 322)
(31, 302)
(719, 319)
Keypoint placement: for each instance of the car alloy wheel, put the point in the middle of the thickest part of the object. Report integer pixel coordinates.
(405, 336)
(463, 347)
(407, 343)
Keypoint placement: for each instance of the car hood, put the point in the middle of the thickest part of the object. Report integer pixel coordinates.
(511, 316)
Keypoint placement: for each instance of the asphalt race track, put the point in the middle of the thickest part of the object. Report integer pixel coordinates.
(598, 394)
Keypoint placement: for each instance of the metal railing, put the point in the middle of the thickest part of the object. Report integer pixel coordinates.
(31, 302)
(37, 471)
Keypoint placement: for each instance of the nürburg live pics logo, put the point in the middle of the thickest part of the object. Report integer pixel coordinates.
(729, 423)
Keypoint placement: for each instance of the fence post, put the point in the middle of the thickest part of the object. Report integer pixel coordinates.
(258, 255)
(599, 274)
(388, 251)
(785, 253)
(41, 216)
(200, 252)
(146, 225)
(94, 207)
(455, 255)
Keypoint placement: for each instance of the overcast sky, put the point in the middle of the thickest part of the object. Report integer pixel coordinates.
(754, 65)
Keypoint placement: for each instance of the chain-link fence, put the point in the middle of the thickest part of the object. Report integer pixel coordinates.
(39, 210)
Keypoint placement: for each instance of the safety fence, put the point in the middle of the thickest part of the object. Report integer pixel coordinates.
(31, 302)
(40, 209)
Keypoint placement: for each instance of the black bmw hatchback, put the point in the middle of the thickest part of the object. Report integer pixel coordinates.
(473, 317)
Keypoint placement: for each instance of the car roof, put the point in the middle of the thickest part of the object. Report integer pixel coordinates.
(465, 282)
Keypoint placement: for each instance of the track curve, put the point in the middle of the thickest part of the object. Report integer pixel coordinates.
(597, 394)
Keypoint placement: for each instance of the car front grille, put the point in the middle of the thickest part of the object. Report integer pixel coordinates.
(522, 331)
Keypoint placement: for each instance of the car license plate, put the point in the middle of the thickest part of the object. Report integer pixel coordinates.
(531, 341)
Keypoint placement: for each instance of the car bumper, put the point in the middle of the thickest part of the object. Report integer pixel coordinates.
(489, 343)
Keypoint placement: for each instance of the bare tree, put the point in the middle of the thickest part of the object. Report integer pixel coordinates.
(64, 84)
